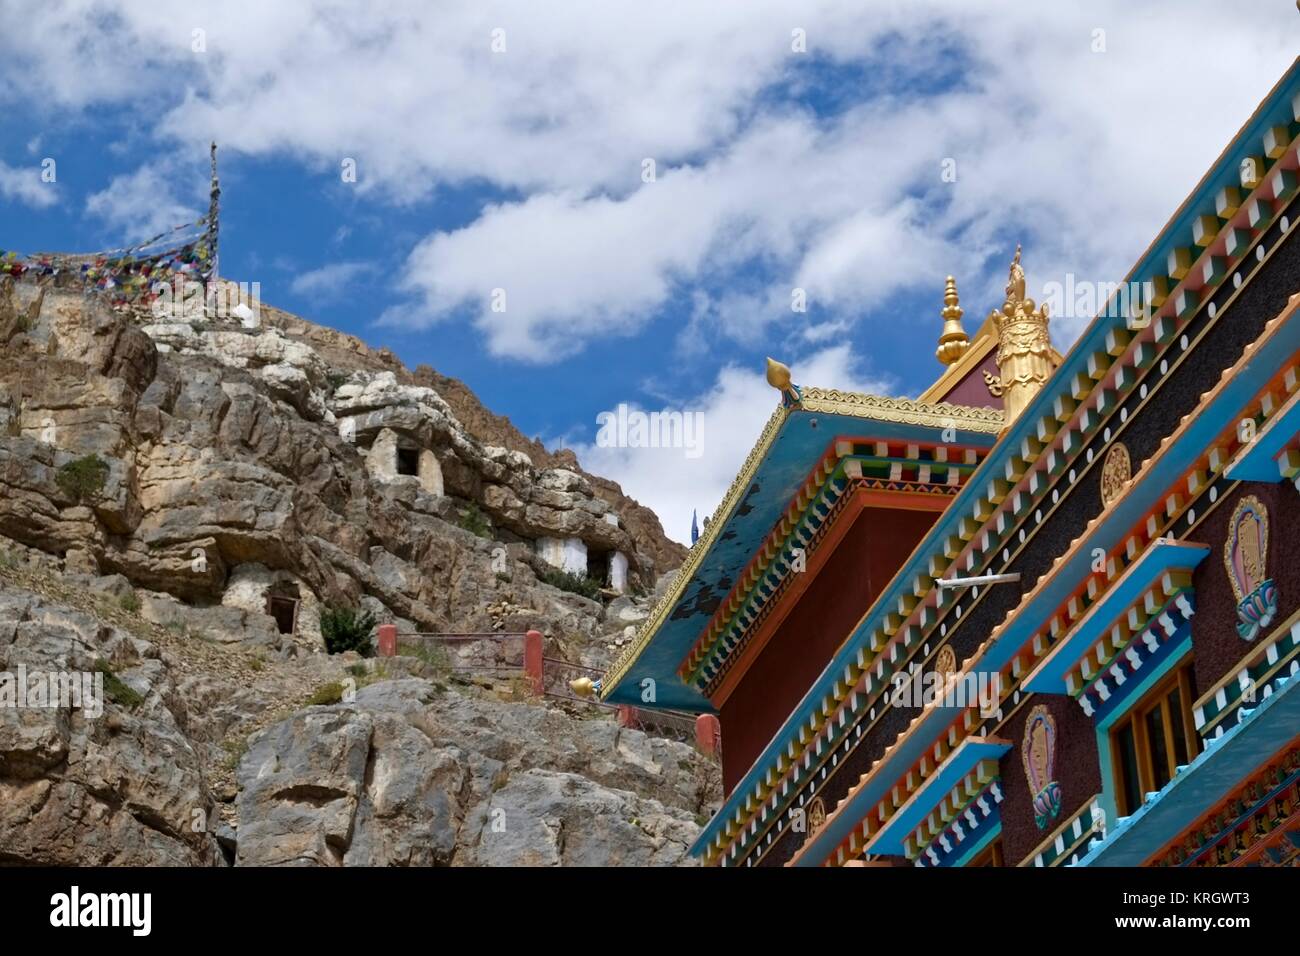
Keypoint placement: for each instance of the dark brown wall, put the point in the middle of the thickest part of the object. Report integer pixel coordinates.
(972, 390)
(1215, 642)
(862, 564)
(1076, 771)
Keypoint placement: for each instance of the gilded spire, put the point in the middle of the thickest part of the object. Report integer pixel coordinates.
(778, 376)
(953, 343)
(1025, 359)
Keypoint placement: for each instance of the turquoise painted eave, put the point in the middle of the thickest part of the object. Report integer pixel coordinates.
(1226, 761)
(803, 439)
(1258, 460)
(889, 838)
(1275, 110)
(1049, 676)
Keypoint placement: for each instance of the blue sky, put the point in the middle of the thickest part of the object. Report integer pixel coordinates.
(503, 146)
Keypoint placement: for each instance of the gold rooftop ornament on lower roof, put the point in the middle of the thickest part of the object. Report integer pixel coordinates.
(1025, 356)
(953, 342)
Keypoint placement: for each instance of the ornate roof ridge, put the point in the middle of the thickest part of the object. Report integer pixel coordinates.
(831, 401)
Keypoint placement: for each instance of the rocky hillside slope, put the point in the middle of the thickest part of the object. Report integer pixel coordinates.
(180, 497)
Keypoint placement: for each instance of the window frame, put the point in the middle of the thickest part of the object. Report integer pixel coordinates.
(1157, 698)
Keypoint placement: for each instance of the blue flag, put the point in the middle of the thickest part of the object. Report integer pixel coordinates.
(695, 528)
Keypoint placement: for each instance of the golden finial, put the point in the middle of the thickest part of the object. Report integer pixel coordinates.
(778, 375)
(583, 686)
(1025, 357)
(953, 343)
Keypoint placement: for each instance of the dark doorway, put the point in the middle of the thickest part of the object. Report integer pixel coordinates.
(285, 612)
(408, 461)
(598, 566)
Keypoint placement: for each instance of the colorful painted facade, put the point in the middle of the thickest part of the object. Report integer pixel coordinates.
(1027, 544)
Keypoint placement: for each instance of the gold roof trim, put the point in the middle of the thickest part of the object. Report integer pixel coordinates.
(832, 401)
(829, 401)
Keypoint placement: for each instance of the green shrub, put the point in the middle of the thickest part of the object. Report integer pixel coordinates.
(129, 602)
(331, 693)
(432, 654)
(575, 583)
(82, 480)
(475, 522)
(347, 629)
(117, 691)
(235, 748)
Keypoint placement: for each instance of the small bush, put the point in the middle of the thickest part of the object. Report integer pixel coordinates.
(331, 693)
(575, 583)
(83, 480)
(235, 748)
(475, 522)
(432, 654)
(129, 602)
(117, 691)
(347, 629)
(337, 379)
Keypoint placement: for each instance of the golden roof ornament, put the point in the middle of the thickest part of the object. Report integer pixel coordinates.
(1025, 357)
(954, 342)
(778, 376)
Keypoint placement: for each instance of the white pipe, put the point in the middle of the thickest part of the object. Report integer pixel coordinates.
(985, 579)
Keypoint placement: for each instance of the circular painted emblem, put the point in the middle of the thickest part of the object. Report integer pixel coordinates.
(1115, 471)
(816, 813)
(945, 662)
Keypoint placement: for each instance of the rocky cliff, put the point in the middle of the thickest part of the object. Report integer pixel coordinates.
(180, 498)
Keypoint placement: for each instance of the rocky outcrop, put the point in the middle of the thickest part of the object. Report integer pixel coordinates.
(180, 498)
(415, 775)
(203, 753)
(642, 523)
(121, 786)
(223, 447)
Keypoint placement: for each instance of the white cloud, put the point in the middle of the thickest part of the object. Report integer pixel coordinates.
(142, 204)
(24, 185)
(1081, 154)
(330, 279)
(734, 412)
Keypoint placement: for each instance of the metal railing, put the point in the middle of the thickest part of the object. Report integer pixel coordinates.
(549, 677)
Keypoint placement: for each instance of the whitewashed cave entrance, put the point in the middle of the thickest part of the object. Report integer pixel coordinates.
(398, 456)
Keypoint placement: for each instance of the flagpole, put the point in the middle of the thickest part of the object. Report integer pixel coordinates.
(213, 229)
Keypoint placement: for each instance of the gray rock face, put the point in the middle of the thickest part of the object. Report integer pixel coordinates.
(124, 787)
(408, 774)
(231, 465)
(228, 446)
